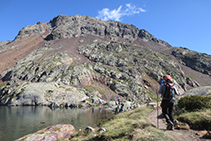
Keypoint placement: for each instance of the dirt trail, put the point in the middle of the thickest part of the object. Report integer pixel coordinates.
(177, 135)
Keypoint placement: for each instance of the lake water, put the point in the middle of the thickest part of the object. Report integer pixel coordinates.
(16, 122)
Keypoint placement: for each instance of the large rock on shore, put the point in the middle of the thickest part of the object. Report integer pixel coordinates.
(52, 133)
(32, 94)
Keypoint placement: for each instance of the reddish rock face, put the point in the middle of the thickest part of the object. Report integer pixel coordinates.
(52, 133)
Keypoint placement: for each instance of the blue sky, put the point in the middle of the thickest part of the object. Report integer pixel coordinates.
(182, 23)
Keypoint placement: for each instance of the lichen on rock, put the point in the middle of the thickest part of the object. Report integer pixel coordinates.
(52, 133)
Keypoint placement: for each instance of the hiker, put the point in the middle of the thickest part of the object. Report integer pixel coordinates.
(162, 81)
(99, 101)
(119, 99)
(168, 91)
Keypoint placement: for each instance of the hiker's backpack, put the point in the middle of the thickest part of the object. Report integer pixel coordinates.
(169, 92)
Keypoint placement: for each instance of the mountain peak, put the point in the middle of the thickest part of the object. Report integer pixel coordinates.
(64, 26)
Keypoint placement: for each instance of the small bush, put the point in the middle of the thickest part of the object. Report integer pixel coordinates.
(194, 103)
(195, 110)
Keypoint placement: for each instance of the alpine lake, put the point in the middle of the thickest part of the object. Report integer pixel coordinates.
(18, 121)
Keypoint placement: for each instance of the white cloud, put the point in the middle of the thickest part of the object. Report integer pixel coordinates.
(132, 9)
(106, 14)
(117, 14)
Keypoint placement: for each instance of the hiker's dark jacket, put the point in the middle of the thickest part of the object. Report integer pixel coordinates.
(163, 89)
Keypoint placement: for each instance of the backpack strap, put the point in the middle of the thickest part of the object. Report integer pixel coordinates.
(169, 85)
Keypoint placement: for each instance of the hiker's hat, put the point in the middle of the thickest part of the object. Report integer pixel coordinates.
(168, 77)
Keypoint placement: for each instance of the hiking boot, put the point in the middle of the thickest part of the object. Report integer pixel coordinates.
(170, 126)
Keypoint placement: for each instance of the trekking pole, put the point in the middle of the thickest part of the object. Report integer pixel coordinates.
(157, 113)
(176, 108)
(177, 112)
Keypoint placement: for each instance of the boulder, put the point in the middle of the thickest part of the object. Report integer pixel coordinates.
(201, 133)
(89, 129)
(204, 134)
(180, 125)
(101, 130)
(112, 104)
(52, 133)
(207, 135)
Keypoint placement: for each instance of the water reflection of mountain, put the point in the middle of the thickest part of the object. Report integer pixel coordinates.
(19, 121)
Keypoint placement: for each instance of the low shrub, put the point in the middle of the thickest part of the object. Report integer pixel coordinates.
(194, 103)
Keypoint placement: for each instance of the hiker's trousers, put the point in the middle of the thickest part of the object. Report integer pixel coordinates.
(167, 109)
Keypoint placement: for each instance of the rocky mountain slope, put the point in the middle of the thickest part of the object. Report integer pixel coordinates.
(73, 59)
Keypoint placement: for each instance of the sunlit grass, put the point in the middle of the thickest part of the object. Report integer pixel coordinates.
(132, 125)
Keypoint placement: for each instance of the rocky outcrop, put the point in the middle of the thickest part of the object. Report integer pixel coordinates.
(3, 45)
(4, 42)
(146, 36)
(201, 91)
(132, 62)
(117, 106)
(57, 67)
(198, 61)
(31, 30)
(52, 133)
(126, 106)
(43, 94)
